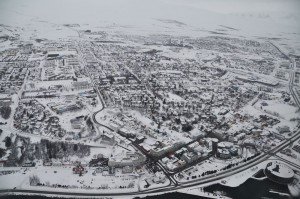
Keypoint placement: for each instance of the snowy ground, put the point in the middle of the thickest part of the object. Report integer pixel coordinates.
(187, 18)
(285, 112)
(63, 175)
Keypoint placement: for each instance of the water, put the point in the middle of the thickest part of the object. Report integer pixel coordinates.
(251, 189)
(174, 195)
(163, 196)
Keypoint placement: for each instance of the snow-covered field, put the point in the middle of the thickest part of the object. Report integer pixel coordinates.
(45, 19)
(51, 176)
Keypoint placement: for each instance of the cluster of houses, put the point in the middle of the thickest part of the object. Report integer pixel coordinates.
(56, 69)
(32, 117)
(130, 163)
(12, 76)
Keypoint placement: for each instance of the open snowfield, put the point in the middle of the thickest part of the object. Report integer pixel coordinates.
(284, 110)
(64, 176)
(46, 19)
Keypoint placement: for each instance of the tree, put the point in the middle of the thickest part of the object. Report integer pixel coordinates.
(177, 120)
(34, 180)
(75, 147)
(2, 152)
(63, 146)
(5, 112)
(187, 127)
(7, 142)
(131, 185)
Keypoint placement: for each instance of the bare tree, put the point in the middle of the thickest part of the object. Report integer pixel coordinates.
(34, 180)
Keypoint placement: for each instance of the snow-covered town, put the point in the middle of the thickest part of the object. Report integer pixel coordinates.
(103, 113)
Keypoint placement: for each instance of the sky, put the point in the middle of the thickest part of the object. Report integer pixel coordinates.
(252, 17)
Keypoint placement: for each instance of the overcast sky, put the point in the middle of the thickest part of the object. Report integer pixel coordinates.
(251, 16)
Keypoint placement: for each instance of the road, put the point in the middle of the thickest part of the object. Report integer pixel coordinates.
(288, 162)
(97, 91)
(292, 74)
(291, 83)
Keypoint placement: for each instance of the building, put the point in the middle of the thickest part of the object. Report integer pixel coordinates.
(108, 138)
(166, 149)
(79, 169)
(97, 170)
(223, 153)
(159, 177)
(130, 159)
(99, 161)
(56, 163)
(28, 164)
(233, 151)
(279, 172)
(190, 157)
(283, 129)
(140, 139)
(5, 101)
(52, 55)
(77, 123)
(81, 85)
(126, 133)
(108, 171)
(2, 163)
(68, 107)
(127, 169)
(214, 145)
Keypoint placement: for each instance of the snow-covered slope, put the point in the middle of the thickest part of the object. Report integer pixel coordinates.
(265, 18)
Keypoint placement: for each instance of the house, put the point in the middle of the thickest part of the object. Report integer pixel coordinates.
(108, 138)
(283, 129)
(108, 171)
(28, 164)
(2, 163)
(127, 169)
(159, 177)
(81, 85)
(5, 101)
(98, 170)
(47, 163)
(77, 123)
(223, 153)
(131, 159)
(100, 161)
(56, 163)
(79, 169)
